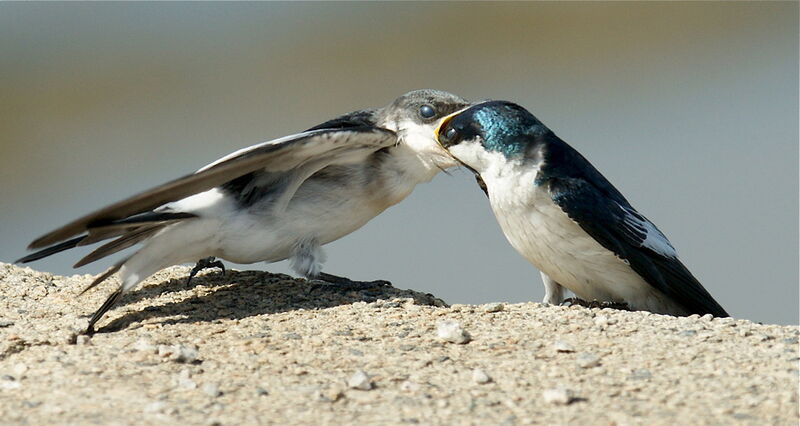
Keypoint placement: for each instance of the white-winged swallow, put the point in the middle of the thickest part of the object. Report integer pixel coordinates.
(565, 218)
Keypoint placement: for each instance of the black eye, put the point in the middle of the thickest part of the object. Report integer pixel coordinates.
(427, 111)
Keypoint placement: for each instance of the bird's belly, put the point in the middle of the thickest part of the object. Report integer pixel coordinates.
(543, 234)
(318, 218)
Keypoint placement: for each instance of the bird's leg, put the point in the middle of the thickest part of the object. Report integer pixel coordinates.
(205, 263)
(348, 284)
(108, 304)
(596, 304)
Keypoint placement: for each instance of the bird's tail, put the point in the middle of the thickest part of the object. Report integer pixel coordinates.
(126, 232)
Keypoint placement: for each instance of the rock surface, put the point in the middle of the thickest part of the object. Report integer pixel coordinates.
(252, 347)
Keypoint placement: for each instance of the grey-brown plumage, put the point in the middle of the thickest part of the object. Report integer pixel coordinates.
(281, 199)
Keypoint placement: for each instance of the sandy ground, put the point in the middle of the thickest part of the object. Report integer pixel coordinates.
(252, 347)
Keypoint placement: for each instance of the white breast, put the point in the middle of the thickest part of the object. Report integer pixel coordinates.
(542, 233)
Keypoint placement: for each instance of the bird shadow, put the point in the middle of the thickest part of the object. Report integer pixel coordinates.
(242, 294)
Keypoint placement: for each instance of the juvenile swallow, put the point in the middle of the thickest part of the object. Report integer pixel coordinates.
(565, 218)
(281, 199)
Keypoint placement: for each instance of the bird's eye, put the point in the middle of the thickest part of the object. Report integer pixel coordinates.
(427, 111)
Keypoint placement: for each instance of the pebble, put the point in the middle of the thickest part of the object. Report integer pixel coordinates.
(145, 345)
(451, 331)
(6, 323)
(494, 307)
(558, 396)
(640, 374)
(178, 353)
(9, 383)
(359, 380)
(212, 390)
(563, 346)
(409, 386)
(480, 377)
(604, 321)
(155, 407)
(83, 340)
(587, 360)
(19, 369)
(185, 381)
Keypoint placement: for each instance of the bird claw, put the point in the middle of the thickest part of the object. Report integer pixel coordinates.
(205, 263)
(572, 301)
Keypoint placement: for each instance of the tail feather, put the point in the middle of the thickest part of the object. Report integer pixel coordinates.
(121, 243)
(66, 245)
(128, 232)
(102, 277)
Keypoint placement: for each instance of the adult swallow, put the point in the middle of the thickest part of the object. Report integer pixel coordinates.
(564, 217)
(281, 199)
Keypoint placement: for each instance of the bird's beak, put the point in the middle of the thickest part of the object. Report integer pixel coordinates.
(444, 122)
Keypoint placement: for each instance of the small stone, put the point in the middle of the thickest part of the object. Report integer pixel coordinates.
(83, 340)
(562, 346)
(71, 338)
(10, 384)
(480, 377)
(640, 374)
(494, 307)
(707, 317)
(185, 382)
(332, 395)
(19, 369)
(6, 323)
(688, 333)
(261, 391)
(212, 390)
(558, 396)
(359, 380)
(604, 321)
(409, 386)
(155, 407)
(144, 345)
(451, 331)
(587, 360)
(178, 353)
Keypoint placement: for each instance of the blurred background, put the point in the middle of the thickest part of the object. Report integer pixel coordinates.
(690, 109)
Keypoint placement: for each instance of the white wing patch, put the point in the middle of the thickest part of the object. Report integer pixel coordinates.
(654, 239)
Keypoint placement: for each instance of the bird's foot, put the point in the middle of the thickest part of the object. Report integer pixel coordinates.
(595, 304)
(205, 263)
(346, 284)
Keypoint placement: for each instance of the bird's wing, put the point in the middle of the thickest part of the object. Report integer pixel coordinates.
(618, 227)
(296, 155)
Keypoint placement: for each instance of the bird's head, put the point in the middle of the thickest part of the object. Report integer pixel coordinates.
(415, 116)
(490, 134)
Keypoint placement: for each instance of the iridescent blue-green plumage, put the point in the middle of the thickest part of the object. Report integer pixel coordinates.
(506, 127)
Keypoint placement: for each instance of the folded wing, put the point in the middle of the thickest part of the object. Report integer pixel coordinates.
(618, 227)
